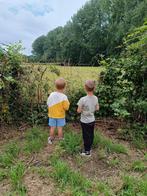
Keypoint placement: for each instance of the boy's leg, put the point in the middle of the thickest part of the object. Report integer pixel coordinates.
(60, 132)
(52, 134)
(60, 124)
(52, 124)
(86, 136)
(91, 133)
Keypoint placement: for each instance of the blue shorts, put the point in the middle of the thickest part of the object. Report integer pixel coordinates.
(56, 122)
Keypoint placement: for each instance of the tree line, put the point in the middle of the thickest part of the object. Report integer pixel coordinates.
(97, 28)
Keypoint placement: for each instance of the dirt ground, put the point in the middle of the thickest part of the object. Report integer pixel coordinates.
(95, 168)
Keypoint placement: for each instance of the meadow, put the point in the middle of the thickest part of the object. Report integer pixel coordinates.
(46, 74)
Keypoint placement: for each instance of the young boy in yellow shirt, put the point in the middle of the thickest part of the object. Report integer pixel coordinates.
(58, 104)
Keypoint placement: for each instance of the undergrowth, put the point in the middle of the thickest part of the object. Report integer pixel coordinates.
(108, 144)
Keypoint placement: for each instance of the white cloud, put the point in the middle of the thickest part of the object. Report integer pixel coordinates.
(20, 20)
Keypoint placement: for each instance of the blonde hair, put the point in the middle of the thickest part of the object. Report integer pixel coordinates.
(90, 85)
(60, 83)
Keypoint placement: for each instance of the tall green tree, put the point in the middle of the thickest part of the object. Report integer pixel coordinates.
(97, 28)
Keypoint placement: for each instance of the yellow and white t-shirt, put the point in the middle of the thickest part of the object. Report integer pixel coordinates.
(57, 105)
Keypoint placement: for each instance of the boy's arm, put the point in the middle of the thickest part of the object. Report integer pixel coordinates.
(79, 109)
(66, 105)
(97, 107)
(47, 101)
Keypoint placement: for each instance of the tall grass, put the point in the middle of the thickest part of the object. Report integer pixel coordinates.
(134, 186)
(108, 144)
(36, 139)
(77, 184)
(10, 153)
(71, 143)
(16, 175)
(139, 166)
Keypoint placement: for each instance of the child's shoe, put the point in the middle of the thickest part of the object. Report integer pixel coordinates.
(50, 140)
(86, 153)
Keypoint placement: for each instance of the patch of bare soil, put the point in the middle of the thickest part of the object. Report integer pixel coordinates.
(38, 186)
(4, 188)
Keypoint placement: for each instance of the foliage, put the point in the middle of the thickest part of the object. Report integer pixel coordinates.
(10, 82)
(123, 91)
(97, 28)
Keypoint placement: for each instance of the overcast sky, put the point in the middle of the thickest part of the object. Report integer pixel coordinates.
(25, 20)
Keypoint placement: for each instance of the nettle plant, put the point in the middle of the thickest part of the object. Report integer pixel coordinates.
(10, 82)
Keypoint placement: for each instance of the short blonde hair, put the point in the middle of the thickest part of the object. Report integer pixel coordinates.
(60, 83)
(90, 85)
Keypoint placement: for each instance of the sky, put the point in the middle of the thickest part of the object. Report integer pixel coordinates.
(25, 20)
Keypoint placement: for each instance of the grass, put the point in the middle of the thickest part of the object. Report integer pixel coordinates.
(78, 184)
(3, 175)
(108, 144)
(134, 186)
(72, 74)
(11, 167)
(145, 156)
(71, 143)
(113, 162)
(139, 143)
(36, 139)
(10, 153)
(16, 175)
(139, 166)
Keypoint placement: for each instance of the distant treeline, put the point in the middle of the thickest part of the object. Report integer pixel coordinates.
(97, 28)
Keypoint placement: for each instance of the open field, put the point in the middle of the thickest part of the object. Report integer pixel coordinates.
(75, 76)
(29, 166)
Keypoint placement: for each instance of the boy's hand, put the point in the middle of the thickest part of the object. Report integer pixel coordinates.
(97, 107)
(79, 110)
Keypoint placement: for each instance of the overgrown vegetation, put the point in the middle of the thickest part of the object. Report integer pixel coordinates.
(36, 139)
(110, 146)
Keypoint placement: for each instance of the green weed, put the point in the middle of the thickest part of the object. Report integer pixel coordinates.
(42, 172)
(71, 143)
(77, 184)
(66, 177)
(139, 143)
(9, 155)
(145, 157)
(101, 153)
(13, 149)
(16, 174)
(36, 139)
(133, 186)
(6, 160)
(113, 162)
(3, 175)
(108, 144)
(139, 166)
